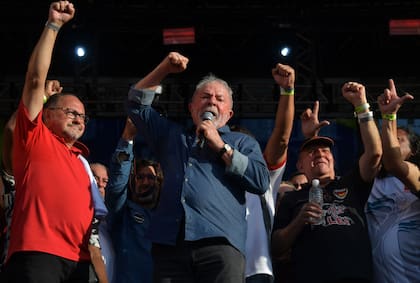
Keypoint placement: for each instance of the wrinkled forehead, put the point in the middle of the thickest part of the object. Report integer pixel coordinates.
(72, 102)
(214, 87)
(99, 170)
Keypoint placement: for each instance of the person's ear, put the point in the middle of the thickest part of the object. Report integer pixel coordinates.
(230, 113)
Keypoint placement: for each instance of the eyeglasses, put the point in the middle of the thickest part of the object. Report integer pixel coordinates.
(150, 177)
(72, 114)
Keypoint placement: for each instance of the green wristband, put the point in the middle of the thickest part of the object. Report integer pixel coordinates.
(287, 91)
(389, 117)
(362, 107)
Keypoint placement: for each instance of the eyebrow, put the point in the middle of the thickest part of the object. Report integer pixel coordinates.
(74, 110)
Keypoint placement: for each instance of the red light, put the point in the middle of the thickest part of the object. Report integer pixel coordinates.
(404, 27)
(179, 36)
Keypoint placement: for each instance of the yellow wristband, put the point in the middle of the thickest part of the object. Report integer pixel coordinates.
(288, 91)
(362, 107)
(389, 117)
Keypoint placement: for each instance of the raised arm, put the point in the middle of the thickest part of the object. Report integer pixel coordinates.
(310, 122)
(173, 63)
(142, 94)
(120, 169)
(276, 149)
(51, 87)
(394, 158)
(370, 161)
(33, 91)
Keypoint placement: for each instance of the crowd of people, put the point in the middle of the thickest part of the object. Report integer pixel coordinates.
(211, 205)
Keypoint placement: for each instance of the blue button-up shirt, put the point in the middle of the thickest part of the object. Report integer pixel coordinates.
(127, 222)
(198, 187)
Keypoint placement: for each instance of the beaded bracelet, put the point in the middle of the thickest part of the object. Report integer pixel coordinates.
(288, 91)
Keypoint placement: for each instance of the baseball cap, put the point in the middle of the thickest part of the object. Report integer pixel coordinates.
(317, 140)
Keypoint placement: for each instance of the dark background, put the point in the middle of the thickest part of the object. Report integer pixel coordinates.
(233, 38)
(332, 41)
(238, 40)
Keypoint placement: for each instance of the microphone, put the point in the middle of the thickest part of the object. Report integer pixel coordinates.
(205, 116)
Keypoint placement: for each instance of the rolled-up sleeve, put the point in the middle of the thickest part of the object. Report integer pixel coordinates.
(141, 96)
(249, 165)
(119, 174)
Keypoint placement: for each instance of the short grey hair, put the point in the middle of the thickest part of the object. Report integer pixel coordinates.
(212, 78)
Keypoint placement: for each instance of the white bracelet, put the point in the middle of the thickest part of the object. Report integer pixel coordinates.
(365, 115)
(366, 119)
(158, 90)
(52, 26)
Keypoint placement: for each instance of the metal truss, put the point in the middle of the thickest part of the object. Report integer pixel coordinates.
(253, 98)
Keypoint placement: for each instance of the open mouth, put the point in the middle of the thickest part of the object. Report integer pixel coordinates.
(209, 111)
(319, 162)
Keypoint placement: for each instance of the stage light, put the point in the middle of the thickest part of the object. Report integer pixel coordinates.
(80, 51)
(285, 51)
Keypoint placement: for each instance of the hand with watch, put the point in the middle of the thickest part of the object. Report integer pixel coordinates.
(226, 148)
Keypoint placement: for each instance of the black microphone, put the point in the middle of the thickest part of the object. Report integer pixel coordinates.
(205, 116)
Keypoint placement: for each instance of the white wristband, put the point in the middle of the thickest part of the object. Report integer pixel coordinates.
(365, 115)
(52, 26)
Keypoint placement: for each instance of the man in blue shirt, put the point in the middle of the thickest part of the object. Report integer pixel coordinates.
(199, 227)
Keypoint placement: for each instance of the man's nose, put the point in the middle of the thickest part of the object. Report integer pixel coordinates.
(77, 120)
(212, 100)
(101, 184)
(318, 152)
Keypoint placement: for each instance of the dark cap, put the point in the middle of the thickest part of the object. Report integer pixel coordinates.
(317, 140)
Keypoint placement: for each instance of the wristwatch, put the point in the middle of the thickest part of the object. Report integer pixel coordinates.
(226, 147)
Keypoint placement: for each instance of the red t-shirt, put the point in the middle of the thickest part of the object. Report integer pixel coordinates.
(53, 208)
